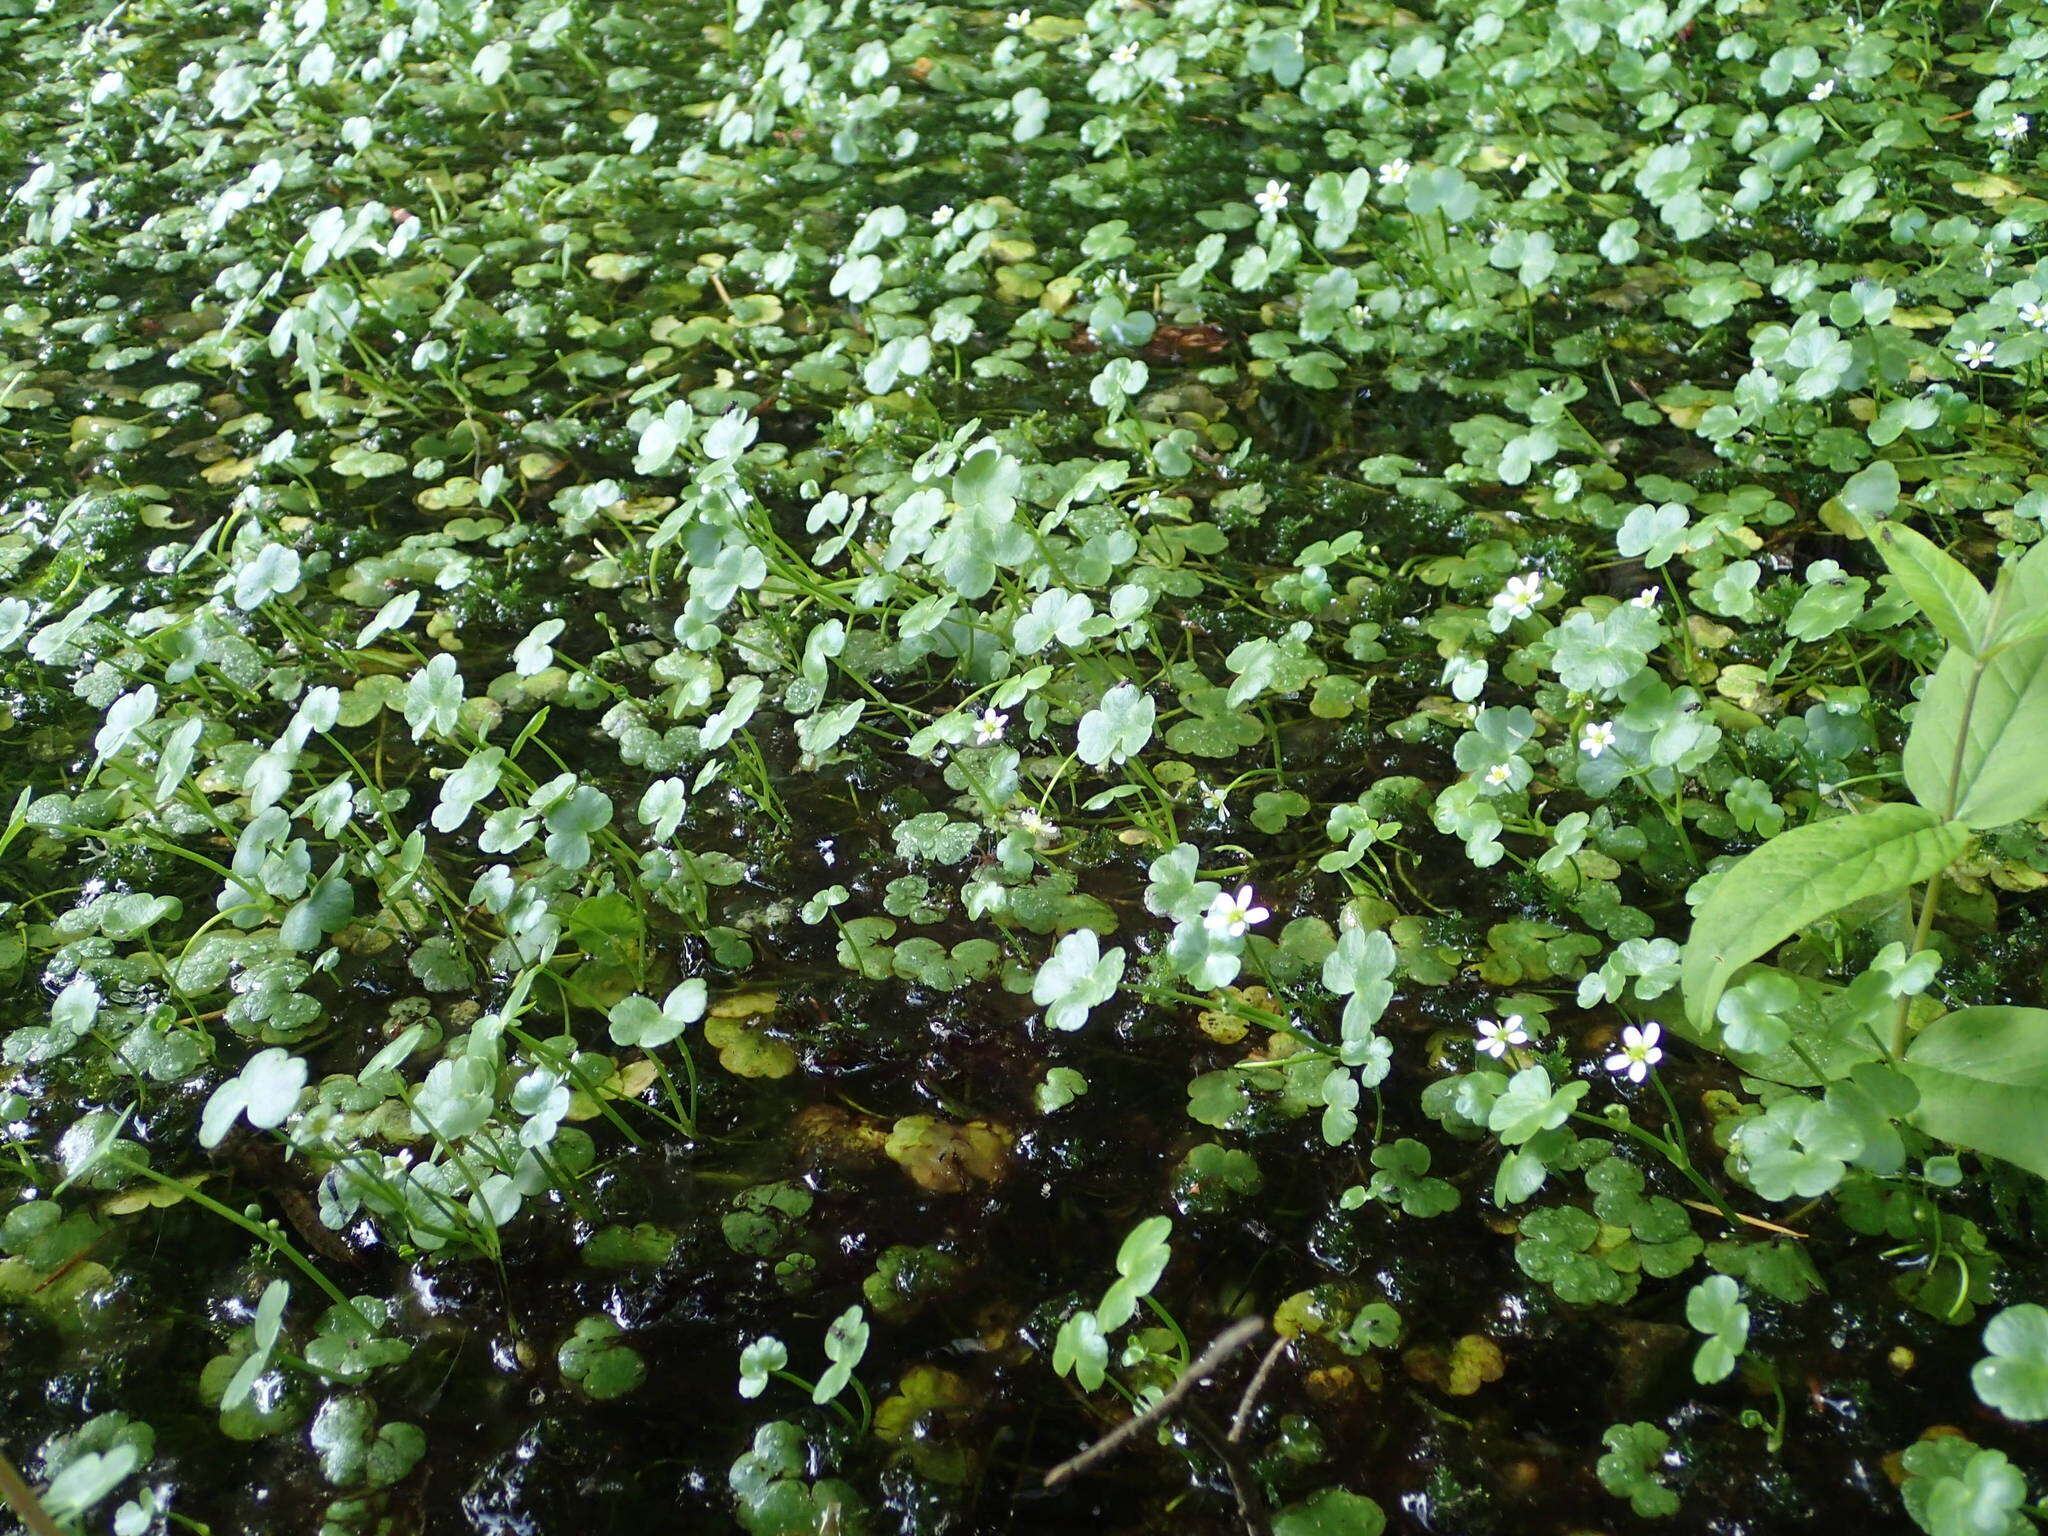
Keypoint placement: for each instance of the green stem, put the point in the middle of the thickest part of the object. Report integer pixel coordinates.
(255, 1229)
(1931, 899)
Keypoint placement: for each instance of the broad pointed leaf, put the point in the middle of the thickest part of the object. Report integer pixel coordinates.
(1799, 877)
(1983, 1080)
(1997, 772)
(1941, 587)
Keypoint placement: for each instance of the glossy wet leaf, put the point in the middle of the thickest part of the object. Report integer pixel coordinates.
(596, 1358)
(2013, 1376)
(1332, 1512)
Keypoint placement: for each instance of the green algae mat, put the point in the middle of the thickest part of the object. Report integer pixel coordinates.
(835, 769)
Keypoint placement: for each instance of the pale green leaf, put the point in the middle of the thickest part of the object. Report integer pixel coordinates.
(1940, 586)
(1993, 777)
(1983, 1080)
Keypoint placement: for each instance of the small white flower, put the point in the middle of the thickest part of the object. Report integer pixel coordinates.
(1272, 198)
(1017, 21)
(1647, 598)
(1214, 797)
(1231, 915)
(1124, 53)
(2035, 314)
(1520, 595)
(2013, 129)
(1495, 1036)
(1597, 737)
(1394, 172)
(1084, 49)
(1032, 822)
(1499, 774)
(988, 726)
(1975, 354)
(943, 214)
(1173, 88)
(1639, 1052)
(1820, 92)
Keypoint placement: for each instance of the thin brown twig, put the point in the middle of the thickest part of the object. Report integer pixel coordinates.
(15, 1489)
(1251, 1504)
(1241, 1420)
(1221, 1348)
(1753, 1221)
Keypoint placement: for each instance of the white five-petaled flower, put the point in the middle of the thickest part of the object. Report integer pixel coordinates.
(1017, 21)
(2013, 129)
(2035, 314)
(988, 726)
(1975, 354)
(1272, 198)
(1496, 1035)
(1822, 91)
(1032, 822)
(1647, 598)
(1520, 595)
(1124, 53)
(943, 214)
(1597, 737)
(1499, 774)
(1231, 915)
(1639, 1052)
(1394, 172)
(1214, 797)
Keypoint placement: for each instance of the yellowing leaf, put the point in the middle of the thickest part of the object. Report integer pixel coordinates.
(613, 267)
(1925, 317)
(1987, 189)
(629, 1082)
(746, 1050)
(151, 1197)
(946, 1158)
